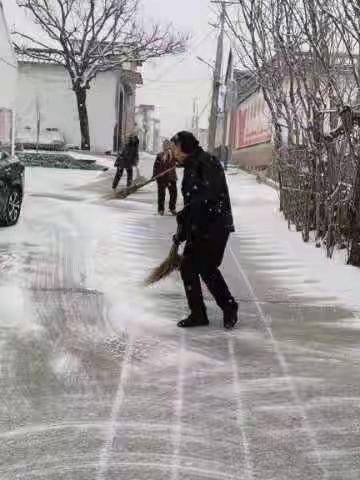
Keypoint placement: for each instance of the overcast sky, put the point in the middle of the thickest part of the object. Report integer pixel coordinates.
(169, 83)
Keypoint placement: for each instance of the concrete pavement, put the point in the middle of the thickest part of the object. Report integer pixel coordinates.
(98, 383)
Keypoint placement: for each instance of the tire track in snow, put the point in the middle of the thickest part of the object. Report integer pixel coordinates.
(178, 407)
(115, 411)
(284, 366)
(249, 469)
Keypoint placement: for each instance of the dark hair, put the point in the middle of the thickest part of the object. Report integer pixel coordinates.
(187, 141)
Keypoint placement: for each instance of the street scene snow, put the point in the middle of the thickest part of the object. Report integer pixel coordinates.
(98, 383)
(179, 240)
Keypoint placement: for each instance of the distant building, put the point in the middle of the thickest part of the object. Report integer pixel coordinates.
(245, 128)
(249, 133)
(8, 68)
(250, 129)
(148, 128)
(46, 96)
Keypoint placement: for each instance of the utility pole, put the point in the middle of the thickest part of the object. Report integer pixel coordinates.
(195, 118)
(217, 76)
(228, 108)
(38, 122)
(358, 90)
(156, 135)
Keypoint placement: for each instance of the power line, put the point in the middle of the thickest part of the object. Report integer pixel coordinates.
(2, 59)
(179, 62)
(194, 80)
(204, 109)
(193, 86)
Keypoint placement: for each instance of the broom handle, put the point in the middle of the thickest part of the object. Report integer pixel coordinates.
(154, 179)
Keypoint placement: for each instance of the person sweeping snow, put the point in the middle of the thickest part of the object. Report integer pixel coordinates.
(165, 161)
(127, 159)
(205, 225)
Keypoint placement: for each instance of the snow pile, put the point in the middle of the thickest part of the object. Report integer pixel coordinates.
(60, 160)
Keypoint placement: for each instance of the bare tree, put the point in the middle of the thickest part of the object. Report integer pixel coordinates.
(305, 56)
(87, 37)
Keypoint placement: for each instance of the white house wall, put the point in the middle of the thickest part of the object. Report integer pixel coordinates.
(50, 86)
(8, 67)
(47, 88)
(102, 111)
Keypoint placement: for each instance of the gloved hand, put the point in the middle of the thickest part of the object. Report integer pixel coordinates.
(176, 239)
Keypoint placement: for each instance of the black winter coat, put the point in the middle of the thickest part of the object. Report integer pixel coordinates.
(128, 157)
(207, 207)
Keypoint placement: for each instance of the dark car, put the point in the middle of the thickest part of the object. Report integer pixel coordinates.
(11, 189)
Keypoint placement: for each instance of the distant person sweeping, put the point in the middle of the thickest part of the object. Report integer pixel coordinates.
(164, 162)
(127, 159)
(205, 225)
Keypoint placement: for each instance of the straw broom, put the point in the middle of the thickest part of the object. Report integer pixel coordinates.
(169, 265)
(137, 185)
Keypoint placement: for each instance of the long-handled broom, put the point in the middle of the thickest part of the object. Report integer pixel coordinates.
(125, 192)
(139, 178)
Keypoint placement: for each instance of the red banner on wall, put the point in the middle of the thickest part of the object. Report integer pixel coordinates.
(251, 122)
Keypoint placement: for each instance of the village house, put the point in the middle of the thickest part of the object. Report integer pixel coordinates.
(246, 128)
(251, 130)
(47, 103)
(8, 83)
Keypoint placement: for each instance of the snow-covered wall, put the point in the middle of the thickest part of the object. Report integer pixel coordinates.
(48, 88)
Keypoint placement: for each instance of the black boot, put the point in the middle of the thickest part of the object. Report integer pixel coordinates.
(197, 318)
(194, 321)
(231, 316)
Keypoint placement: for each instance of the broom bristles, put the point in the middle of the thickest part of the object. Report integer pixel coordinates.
(125, 192)
(169, 265)
(139, 183)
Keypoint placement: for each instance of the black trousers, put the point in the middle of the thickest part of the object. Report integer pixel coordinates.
(202, 259)
(172, 188)
(119, 174)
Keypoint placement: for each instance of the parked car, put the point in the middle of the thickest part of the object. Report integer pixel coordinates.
(11, 189)
(49, 139)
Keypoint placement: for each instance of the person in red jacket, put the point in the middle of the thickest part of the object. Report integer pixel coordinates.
(165, 161)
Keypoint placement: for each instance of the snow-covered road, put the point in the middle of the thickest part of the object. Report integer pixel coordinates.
(96, 381)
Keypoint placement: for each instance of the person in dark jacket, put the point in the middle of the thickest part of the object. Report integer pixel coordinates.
(127, 159)
(165, 161)
(205, 225)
